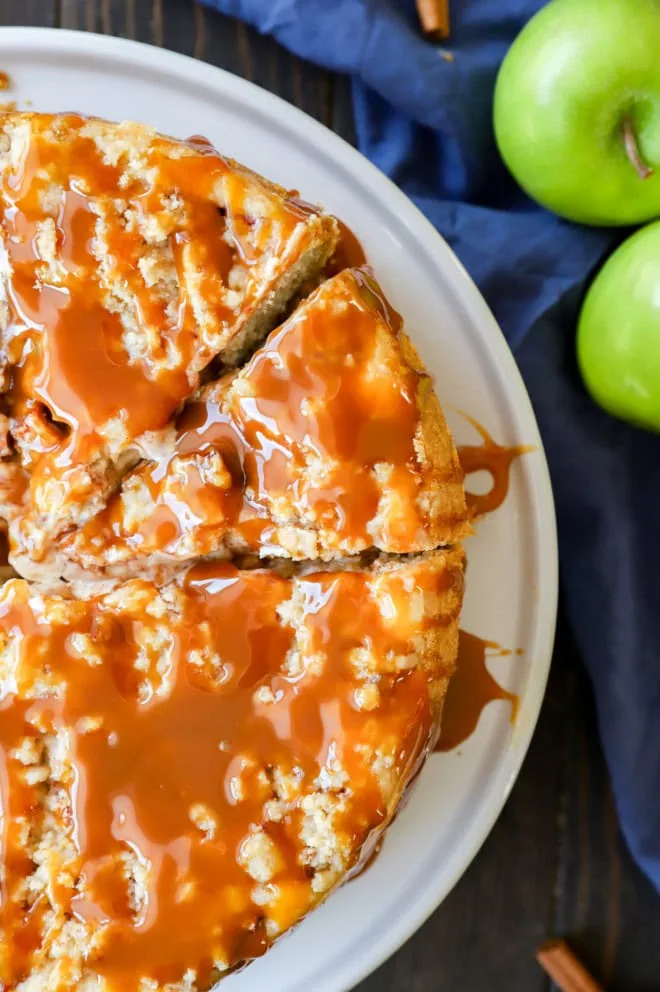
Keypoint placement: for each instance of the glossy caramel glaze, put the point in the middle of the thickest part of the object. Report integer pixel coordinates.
(4, 548)
(86, 378)
(226, 747)
(471, 689)
(329, 441)
(491, 457)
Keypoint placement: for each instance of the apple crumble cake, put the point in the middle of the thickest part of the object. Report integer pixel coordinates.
(230, 613)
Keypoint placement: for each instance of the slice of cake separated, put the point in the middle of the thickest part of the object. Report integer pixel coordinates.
(128, 263)
(329, 442)
(186, 770)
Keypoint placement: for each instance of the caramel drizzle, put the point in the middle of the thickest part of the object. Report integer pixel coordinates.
(65, 343)
(471, 689)
(491, 457)
(472, 672)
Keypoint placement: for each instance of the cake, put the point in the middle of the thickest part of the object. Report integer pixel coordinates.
(234, 513)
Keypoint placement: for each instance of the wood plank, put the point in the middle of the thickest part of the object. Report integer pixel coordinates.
(342, 120)
(608, 911)
(29, 13)
(114, 17)
(223, 41)
(242, 50)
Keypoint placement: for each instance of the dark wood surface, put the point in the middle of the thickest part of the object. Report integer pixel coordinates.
(555, 863)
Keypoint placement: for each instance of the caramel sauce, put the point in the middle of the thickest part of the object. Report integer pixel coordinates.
(71, 354)
(319, 390)
(303, 384)
(491, 457)
(471, 688)
(5, 81)
(168, 719)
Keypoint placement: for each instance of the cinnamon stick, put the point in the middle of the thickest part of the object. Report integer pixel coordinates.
(434, 15)
(558, 961)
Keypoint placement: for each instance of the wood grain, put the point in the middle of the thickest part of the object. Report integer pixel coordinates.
(555, 863)
(608, 911)
(30, 13)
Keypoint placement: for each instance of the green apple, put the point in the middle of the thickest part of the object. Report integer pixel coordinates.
(577, 110)
(618, 338)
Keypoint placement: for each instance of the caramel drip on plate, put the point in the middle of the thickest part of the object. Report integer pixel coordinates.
(491, 457)
(369, 861)
(471, 688)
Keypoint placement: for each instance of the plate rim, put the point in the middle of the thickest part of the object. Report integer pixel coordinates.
(59, 41)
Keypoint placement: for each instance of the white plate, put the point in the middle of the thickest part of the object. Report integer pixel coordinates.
(512, 580)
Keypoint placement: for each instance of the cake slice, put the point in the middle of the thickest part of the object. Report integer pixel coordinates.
(128, 263)
(186, 771)
(330, 442)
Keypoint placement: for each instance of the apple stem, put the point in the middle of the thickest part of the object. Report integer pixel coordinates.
(632, 150)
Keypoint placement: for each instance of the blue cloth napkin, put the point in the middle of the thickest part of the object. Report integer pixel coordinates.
(426, 122)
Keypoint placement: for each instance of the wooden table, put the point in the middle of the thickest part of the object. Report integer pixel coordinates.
(555, 862)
